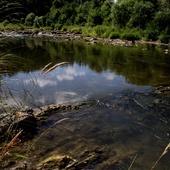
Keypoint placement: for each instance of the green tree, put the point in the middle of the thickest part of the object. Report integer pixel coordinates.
(106, 12)
(95, 17)
(82, 13)
(142, 14)
(121, 12)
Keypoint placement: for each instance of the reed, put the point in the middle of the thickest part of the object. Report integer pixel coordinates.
(10, 144)
(46, 70)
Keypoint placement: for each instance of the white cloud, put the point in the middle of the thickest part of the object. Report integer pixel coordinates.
(69, 74)
(42, 82)
(109, 76)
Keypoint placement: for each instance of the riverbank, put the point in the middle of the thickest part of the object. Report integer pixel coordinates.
(69, 36)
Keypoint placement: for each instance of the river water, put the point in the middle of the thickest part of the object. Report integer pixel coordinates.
(128, 120)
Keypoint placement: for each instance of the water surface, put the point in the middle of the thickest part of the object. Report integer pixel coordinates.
(93, 70)
(128, 118)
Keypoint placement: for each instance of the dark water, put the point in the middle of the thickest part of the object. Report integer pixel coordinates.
(128, 118)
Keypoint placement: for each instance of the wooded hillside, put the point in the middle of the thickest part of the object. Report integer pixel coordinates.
(150, 16)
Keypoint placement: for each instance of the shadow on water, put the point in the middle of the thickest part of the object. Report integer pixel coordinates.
(127, 118)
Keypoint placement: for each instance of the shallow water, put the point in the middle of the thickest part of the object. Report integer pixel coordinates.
(128, 118)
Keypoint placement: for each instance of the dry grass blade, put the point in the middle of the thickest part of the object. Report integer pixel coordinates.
(166, 150)
(56, 65)
(132, 162)
(45, 67)
(10, 144)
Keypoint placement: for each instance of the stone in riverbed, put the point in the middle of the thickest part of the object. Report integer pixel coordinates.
(11, 123)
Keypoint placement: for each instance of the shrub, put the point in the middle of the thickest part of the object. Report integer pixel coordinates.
(106, 34)
(5, 23)
(22, 20)
(76, 29)
(58, 26)
(29, 20)
(151, 33)
(14, 21)
(114, 35)
(99, 30)
(64, 28)
(130, 36)
(164, 38)
(39, 21)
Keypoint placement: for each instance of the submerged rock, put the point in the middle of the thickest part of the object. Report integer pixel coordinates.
(163, 89)
(55, 161)
(27, 120)
(12, 122)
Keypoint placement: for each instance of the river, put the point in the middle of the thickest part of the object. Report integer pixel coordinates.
(128, 120)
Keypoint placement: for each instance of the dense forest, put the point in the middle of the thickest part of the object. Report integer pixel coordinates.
(147, 18)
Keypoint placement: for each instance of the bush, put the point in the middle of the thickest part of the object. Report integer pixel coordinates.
(64, 28)
(22, 20)
(151, 33)
(39, 21)
(114, 35)
(15, 21)
(77, 30)
(29, 20)
(99, 30)
(106, 34)
(130, 36)
(58, 26)
(5, 23)
(164, 38)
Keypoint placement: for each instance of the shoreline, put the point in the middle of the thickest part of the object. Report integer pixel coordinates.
(70, 36)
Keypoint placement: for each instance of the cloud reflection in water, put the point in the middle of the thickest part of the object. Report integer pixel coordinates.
(69, 73)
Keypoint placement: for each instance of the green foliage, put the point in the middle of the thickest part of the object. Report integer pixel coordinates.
(130, 36)
(94, 17)
(58, 26)
(164, 38)
(76, 29)
(5, 23)
(15, 21)
(106, 12)
(29, 20)
(152, 17)
(39, 22)
(100, 30)
(114, 35)
(121, 12)
(151, 32)
(142, 14)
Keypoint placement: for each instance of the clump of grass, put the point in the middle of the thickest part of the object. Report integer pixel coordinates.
(76, 29)
(114, 35)
(130, 36)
